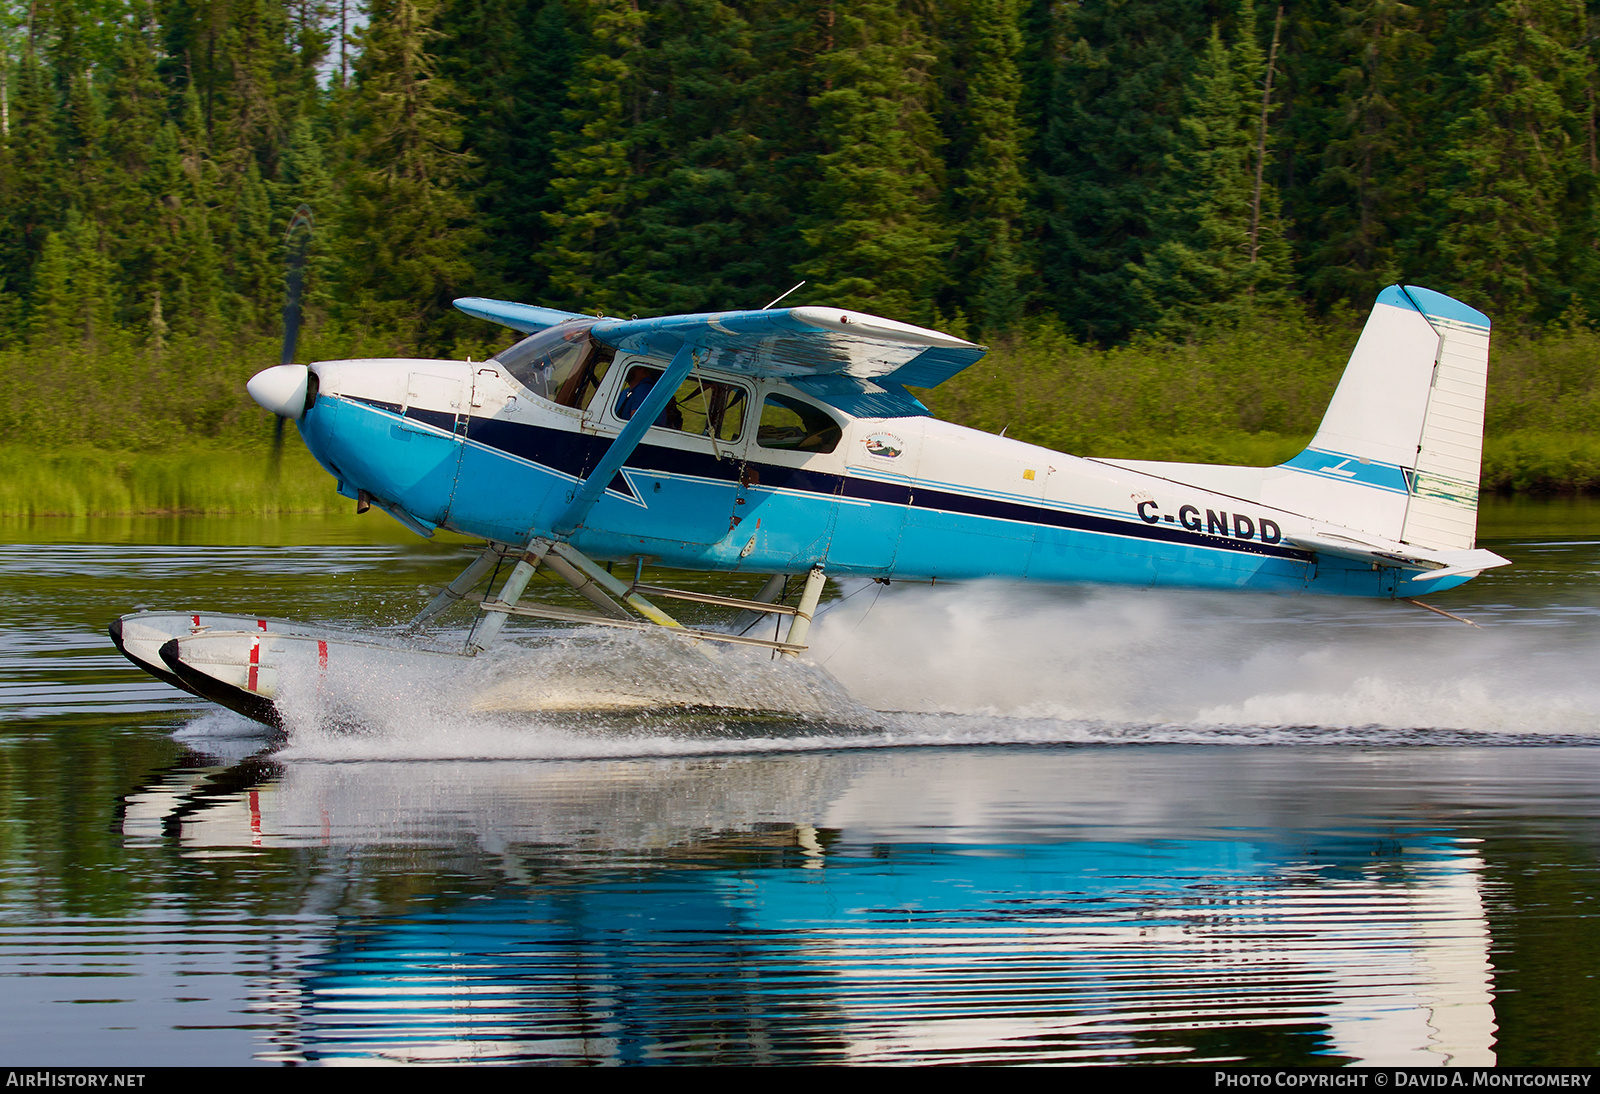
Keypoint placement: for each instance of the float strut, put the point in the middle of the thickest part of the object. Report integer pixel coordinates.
(585, 586)
(597, 573)
(769, 592)
(491, 621)
(458, 588)
(808, 607)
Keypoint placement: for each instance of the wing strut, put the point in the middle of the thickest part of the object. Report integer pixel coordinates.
(591, 489)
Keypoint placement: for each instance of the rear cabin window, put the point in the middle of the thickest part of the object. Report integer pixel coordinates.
(705, 408)
(796, 426)
(563, 364)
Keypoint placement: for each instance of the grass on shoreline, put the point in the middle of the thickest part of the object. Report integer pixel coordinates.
(86, 482)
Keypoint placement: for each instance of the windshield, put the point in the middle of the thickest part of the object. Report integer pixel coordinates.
(561, 363)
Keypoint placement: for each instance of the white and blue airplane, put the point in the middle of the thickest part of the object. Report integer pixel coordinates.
(784, 442)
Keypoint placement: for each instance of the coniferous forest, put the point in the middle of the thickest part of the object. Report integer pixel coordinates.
(1169, 217)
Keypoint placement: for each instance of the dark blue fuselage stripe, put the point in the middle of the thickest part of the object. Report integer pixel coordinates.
(576, 453)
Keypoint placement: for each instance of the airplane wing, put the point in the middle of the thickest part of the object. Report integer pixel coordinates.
(525, 318)
(857, 362)
(810, 341)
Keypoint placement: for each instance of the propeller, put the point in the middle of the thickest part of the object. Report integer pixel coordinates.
(297, 240)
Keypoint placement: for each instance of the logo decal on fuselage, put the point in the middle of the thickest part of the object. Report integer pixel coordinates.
(1217, 522)
(886, 446)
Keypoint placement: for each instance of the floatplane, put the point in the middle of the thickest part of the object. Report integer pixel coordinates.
(786, 442)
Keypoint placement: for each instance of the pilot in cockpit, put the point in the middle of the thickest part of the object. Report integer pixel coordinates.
(640, 381)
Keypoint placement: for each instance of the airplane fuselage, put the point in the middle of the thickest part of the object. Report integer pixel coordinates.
(464, 446)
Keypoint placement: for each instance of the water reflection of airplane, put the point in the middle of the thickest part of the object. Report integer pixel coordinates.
(658, 909)
(785, 442)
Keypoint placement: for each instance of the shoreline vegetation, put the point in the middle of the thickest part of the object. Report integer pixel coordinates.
(120, 429)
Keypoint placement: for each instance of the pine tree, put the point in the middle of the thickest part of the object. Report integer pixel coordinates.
(34, 181)
(253, 251)
(704, 235)
(876, 232)
(82, 149)
(1510, 184)
(257, 92)
(405, 229)
(992, 195)
(239, 56)
(1362, 201)
(1103, 159)
(74, 291)
(183, 185)
(682, 185)
(595, 184)
(135, 116)
(1223, 254)
(310, 36)
(304, 180)
(510, 63)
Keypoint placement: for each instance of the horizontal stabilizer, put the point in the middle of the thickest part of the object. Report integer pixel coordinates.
(1436, 564)
(1471, 562)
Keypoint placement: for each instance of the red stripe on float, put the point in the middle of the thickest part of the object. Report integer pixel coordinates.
(322, 655)
(255, 662)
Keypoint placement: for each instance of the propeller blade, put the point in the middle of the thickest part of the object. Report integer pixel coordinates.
(297, 239)
(291, 320)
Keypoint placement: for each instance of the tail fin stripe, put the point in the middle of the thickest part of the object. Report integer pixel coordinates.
(1341, 467)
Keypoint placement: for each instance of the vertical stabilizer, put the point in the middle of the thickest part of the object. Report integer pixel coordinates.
(1399, 449)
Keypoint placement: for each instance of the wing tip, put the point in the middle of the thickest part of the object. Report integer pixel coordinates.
(847, 321)
(525, 318)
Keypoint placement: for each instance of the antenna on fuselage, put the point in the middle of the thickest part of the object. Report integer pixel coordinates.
(781, 297)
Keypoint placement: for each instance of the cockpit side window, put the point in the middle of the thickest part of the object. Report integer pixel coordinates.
(794, 425)
(706, 408)
(563, 364)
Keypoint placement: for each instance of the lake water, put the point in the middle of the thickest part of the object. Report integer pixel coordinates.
(1012, 825)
